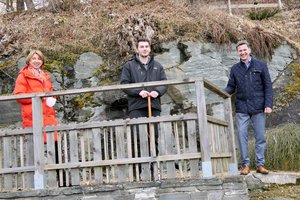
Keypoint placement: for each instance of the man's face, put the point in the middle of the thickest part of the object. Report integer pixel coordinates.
(244, 52)
(143, 49)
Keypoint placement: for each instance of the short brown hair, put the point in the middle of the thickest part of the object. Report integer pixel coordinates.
(242, 42)
(39, 53)
(143, 40)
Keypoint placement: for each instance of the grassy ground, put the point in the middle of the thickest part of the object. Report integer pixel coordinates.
(273, 191)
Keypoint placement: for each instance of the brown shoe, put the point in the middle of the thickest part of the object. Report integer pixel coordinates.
(245, 170)
(261, 169)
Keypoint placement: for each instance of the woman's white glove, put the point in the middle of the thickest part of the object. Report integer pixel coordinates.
(50, 101)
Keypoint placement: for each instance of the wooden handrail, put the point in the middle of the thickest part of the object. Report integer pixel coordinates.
(207, 84)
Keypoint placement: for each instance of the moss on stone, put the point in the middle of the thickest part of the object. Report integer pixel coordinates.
(8, 63)
(291, 90)
(106, 73)
(83, 100)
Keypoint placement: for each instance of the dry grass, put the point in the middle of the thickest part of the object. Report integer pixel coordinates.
(111, 27)
(263, 43)
(283, 150)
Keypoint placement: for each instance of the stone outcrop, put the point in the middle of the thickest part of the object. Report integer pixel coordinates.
(180, 59)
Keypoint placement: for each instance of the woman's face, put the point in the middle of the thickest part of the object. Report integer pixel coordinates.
(35, 61)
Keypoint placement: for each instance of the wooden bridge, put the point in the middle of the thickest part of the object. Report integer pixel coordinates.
(183, 146)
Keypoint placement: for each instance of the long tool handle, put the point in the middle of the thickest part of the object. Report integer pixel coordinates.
(150, 138)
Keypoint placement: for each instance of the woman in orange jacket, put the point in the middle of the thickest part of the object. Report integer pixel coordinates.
(32, 79)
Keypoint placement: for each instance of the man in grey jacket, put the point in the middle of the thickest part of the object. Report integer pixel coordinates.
(143, 68)
(251, 81)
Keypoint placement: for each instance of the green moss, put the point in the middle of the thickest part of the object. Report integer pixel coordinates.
(260, 14)
(106, 73)
(67, 57)
(83, 101)
(291, 90)
(8, 63)
(53, 65)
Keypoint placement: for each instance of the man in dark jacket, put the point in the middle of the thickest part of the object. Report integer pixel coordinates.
(251, 81)
(143, 68)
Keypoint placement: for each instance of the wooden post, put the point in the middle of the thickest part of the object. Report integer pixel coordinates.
(205, 140)
(38, 142)
(229, 7)
(279, 4)
(233, 165)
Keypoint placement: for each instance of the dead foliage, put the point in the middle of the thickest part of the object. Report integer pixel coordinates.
(111, 28)
(262, 42)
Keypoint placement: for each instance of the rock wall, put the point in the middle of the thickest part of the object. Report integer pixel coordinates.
(180, 59)
(213, 188)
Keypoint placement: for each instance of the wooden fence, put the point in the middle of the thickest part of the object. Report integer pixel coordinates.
(246, 4)
(144, 149)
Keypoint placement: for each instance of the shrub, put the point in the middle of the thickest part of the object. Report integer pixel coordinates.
(282, 150)
(262, 14)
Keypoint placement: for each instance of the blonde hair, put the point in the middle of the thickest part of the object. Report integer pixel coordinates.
(37, 52)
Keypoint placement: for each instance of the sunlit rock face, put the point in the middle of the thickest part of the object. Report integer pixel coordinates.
(194, 60)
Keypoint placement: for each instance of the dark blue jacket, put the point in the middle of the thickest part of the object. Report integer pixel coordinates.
(134, 72)
(253, 87)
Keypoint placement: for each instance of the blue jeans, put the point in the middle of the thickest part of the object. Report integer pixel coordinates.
(258, 122)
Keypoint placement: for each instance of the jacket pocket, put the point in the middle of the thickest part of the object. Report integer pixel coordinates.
(256, 77)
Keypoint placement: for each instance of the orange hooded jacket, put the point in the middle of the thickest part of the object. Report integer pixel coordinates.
(28, 83)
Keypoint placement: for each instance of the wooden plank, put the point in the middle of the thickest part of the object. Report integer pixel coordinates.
(76, 165)
(192, 140)
(97, 153)
(213, 120)
(1, 164)
(122, 170)
(213, 87)
(38, 142)
(29, 161)
(74, 157)
(7, 163)
(111, 123)
(224, 145)
(14, 162)
(82, 154)
(88, 135)
(233, 165)
(249, 6)
(205, 141)
(229, 7)
(184, 147)
(166, 131)
(14, 132)
(178, 149)
(259, 5)
(99, 89)
(60, 159)
(112, 153)
(129, 152)
(136, 152)
(22, 161)
(106, 154)
(51, 152)
(144, 151)
(66, 158)
(218, 147)
(213, 146)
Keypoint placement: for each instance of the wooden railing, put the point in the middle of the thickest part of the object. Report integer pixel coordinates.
(246, 4)
(144, 149)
